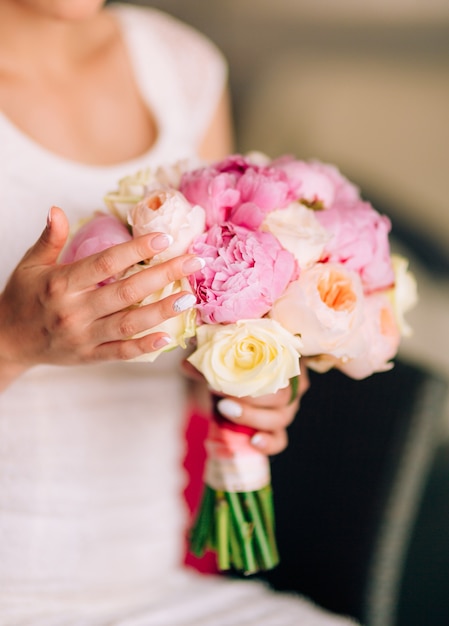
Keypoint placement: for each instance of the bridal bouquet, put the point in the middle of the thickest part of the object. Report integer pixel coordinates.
(297, 265)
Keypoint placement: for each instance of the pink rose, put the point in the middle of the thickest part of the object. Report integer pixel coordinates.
(381, 334)
(324, 307)
(317, 185)
(167, 211)
(99, 233)
(377, 339)
(360, 242)
(245, 273)
(237, 190)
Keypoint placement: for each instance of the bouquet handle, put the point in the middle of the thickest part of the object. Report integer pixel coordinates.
(236, 515)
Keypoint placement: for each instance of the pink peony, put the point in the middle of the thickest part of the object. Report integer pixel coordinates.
(237, 190)
(360, 242)
(245, 273)
(99, 233)
(317, 184)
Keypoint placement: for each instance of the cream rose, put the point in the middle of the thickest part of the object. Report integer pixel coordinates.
(404, 294)
(133, 188)
(179, 328)
(167, 211)
(248, 358)
(299, 232)
(325, 308)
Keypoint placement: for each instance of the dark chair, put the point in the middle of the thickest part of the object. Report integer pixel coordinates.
(348, 488)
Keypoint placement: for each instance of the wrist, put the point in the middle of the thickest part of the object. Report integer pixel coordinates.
(10, 367)
(9, 371)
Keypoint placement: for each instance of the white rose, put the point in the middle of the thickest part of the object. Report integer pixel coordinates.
(248, 358)
(299, 232)
(133, 188)
(169, 176)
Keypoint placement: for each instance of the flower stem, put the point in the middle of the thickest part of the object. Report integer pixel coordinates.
(265, 498)
(201, 531)
(244, 532)
(267, 558)
(222, 524)
(235, 547)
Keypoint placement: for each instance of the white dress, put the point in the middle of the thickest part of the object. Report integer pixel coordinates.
(91, 514)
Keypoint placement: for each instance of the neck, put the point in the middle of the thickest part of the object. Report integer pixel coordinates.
(33, 40)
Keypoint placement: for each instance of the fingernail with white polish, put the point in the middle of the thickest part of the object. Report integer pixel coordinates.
(258, 441)
(229, 408)
(184, 302)
(160, 242)
(194, 264)
(162, 342)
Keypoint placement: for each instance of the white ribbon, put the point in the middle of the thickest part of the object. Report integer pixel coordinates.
(238, 473)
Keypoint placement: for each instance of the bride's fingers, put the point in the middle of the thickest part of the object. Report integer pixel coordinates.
(304, 380)
(96, 268)
(129, 349)
(191, 372)
(270, 442)
(130, 322)
(272, 400)
(283, 396)
(128, 291)
(260, 418)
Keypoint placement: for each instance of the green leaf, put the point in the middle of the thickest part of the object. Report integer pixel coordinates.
(294, 384)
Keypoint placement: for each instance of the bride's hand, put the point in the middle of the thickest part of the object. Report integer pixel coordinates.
(54, 313)
(268, 415)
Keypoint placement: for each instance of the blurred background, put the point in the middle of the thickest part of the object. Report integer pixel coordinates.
(364, 85)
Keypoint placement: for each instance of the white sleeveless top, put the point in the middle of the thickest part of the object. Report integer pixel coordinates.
(91, 514)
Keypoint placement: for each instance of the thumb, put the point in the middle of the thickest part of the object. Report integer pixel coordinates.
(48, 247)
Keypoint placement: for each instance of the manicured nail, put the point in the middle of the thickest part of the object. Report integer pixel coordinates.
(162, 241)
(258, 441)
(49, 217)
(193, 265)
(162, 342)
(184, 302)
(229, 408)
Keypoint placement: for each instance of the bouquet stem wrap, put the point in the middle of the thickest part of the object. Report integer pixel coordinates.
(236, 515)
